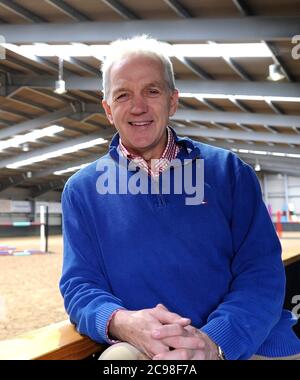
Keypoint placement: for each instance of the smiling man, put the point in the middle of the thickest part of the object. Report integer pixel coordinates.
(174, 280)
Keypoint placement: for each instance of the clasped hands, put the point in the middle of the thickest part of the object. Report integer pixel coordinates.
(162, 335)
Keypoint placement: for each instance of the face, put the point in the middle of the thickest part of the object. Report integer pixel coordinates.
(139, 104)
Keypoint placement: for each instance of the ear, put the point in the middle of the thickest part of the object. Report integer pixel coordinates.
(108, 112)
(173, 102)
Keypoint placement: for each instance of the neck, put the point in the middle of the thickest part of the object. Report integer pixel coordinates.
(149, 154)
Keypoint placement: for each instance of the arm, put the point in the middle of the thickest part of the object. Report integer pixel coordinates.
(253, 305)
(84, 285)
(87, 294)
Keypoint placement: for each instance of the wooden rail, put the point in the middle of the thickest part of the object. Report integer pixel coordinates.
(290, 258)
(59, 341)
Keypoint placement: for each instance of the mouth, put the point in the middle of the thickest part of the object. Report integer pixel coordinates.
(145, 123)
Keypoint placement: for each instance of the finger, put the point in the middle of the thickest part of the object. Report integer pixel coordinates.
(154, 347)
(178, 354)
(165, 331)
(161, 306)
(166, 316)
(177, 342)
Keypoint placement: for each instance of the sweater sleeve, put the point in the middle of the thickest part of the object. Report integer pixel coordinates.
(84, 285)
(253, 304)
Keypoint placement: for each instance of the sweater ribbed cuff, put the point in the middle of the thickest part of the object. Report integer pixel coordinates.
(221, 332)
(102, 319)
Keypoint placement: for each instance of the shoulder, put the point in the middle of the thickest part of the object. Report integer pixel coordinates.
(219, 159)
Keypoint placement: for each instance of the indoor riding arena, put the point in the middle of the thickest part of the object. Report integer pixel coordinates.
(237, 69)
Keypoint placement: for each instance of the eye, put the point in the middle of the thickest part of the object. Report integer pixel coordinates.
(153, 92)
(122, 97)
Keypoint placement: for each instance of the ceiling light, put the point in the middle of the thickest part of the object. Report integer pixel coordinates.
(25, 147)
(239, 97)
(56, 153)
(181, 50)
(257, 167)
(60, 85)
(275, 72)
(71, 169)
(22, 140)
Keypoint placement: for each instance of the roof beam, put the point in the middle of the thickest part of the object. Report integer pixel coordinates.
(37, 122)
(191, 86)
(265, 162)
(119, 8)
(220, 29)
(279, 161)
(12, 181)
(269, 167)
(195, 68)
(237, 68)
(245, 10)
(239, 135)
(105, 133)
(243, 7)
(68, 10)
(43, 189)
(21, 11)
(178, 8)
(82, 65)
(258, 147)
(239, 117)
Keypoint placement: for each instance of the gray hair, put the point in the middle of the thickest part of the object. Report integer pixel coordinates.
(139, 45)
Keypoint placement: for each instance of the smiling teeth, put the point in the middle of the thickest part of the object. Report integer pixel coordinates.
(140, 123)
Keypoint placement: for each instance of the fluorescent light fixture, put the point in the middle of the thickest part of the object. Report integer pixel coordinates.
(220, 50)
(30, 137)
(278, 154)
(71, 169)
(59, 152)
(180, 50)
(239, 97)
(266, 153)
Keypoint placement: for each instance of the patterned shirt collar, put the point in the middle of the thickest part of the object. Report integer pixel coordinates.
(159, 165)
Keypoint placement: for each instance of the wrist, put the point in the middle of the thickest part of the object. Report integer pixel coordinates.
(116, 325)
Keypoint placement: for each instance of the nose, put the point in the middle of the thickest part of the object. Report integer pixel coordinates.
(139, 105)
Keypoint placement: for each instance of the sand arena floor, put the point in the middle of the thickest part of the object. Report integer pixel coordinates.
(29, 294)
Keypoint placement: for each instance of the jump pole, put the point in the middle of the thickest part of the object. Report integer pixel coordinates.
(43, 228)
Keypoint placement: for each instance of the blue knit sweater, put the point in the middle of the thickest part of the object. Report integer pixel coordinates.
(218, 263)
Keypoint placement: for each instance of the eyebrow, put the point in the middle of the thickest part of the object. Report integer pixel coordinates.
(151, 84)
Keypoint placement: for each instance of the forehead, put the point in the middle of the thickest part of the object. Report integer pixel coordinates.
(136, 69)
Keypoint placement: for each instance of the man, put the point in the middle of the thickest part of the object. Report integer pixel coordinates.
(173, 277)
